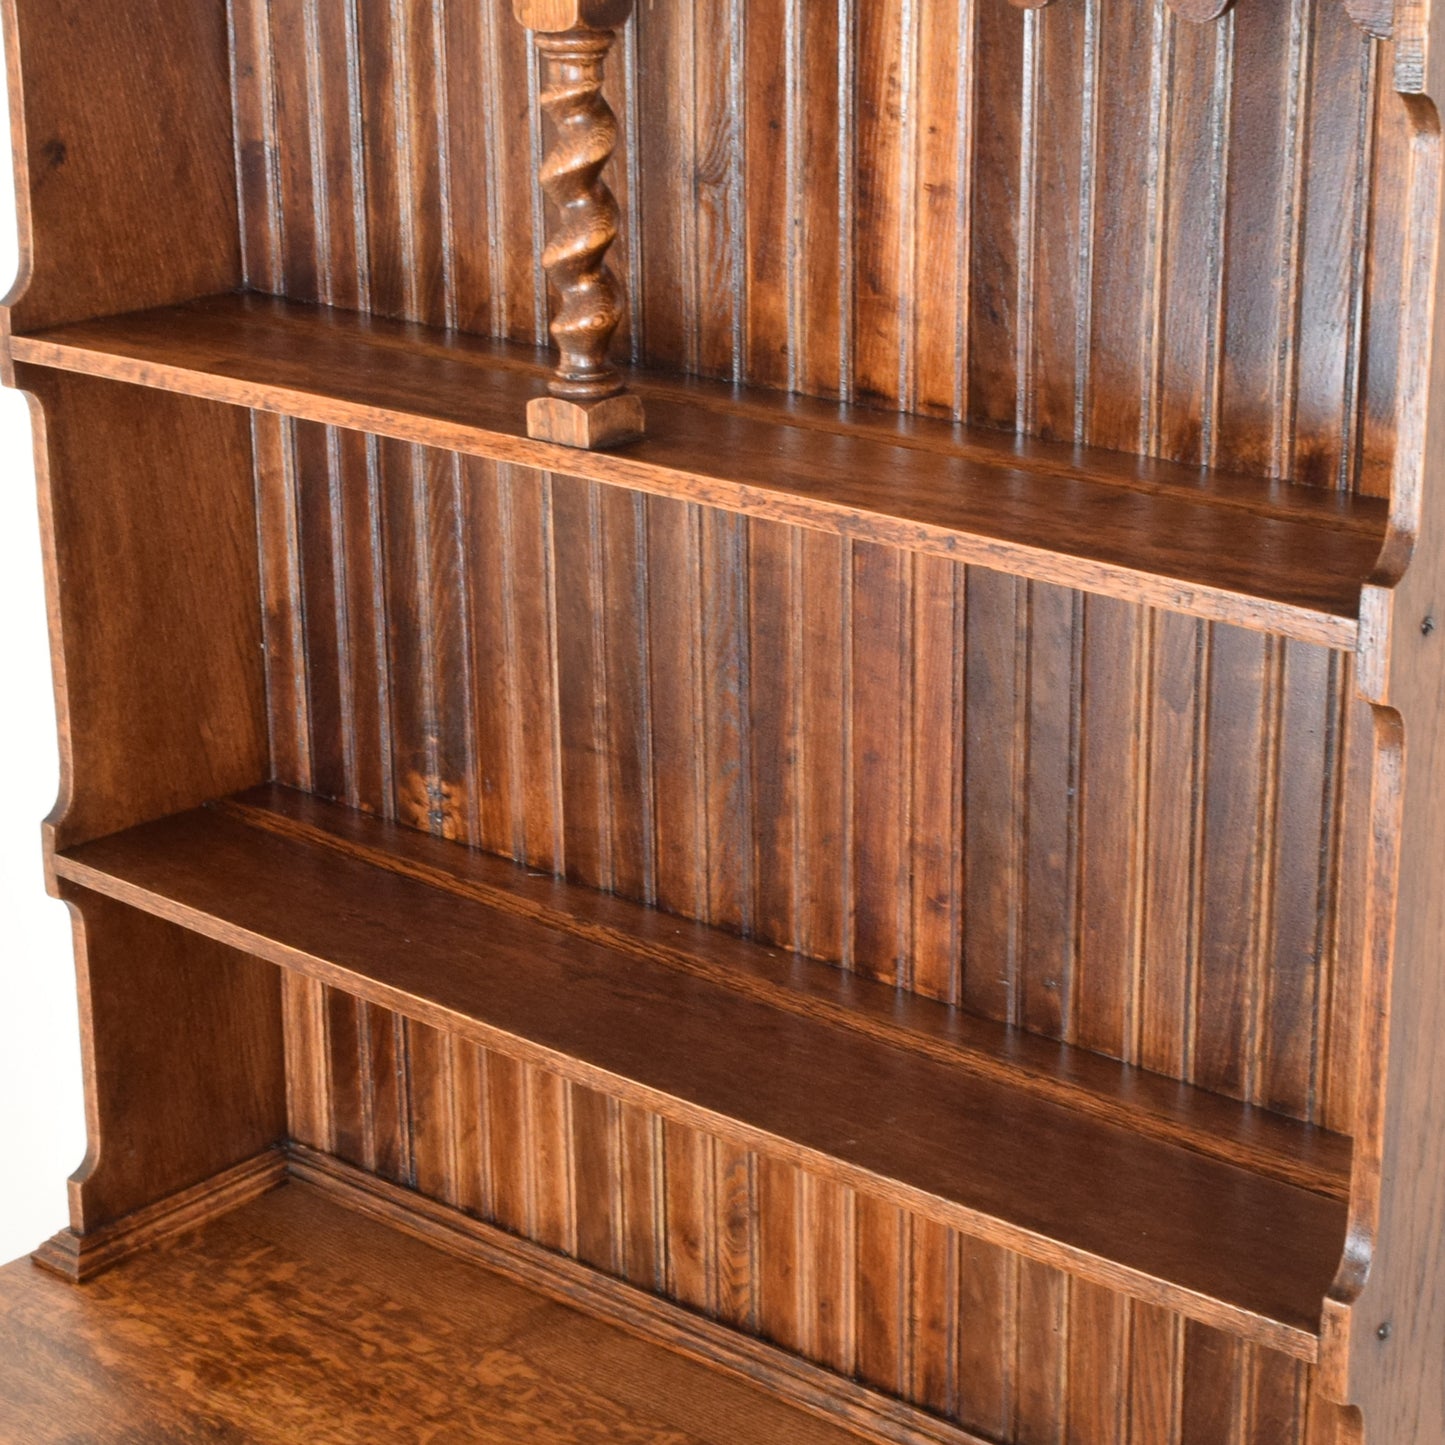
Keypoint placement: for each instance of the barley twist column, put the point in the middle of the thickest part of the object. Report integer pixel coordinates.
(589, 405)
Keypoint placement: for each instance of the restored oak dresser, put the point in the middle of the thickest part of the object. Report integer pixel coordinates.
(757, 688)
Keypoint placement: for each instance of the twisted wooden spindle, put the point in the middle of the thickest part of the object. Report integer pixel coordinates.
(589, 405)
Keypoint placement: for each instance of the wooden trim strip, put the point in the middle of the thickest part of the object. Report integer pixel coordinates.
(81, 1257)
(808, 1386)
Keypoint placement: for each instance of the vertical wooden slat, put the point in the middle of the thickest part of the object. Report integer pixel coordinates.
(881, 764)
(987, 1338)
(691, 1214)
(992, 885)
(596, 1175)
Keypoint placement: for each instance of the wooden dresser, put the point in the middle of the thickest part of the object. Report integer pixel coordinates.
(752, 697)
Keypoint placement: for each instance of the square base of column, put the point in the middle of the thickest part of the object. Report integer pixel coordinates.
(590, 425)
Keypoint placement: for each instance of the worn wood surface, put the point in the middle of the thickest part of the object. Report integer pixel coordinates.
(295, 1319)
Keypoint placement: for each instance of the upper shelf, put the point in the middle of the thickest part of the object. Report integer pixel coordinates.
(1196, 1211)
(1287, 560)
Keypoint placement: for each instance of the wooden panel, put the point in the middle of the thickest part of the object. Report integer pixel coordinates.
(1005, 742)
(1105, 212)
(149, 517)
(963, 1328)
(126, 175)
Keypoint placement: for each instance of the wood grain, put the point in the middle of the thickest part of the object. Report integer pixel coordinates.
(1092, 522)
(1148, 1218)
(826, 163)
(297, 1318)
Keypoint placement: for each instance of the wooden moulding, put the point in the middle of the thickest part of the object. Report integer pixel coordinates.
(1150, 532)
(1150, 1217)
(82, 1256)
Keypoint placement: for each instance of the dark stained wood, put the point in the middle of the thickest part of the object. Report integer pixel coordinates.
(955, 641)
(1091, 522)
(1207, 1123)
(295, 1318)
(1147, 1217)
(164, 494)
(109, 218)
(166, 1108)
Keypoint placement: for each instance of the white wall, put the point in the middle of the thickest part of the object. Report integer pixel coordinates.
(42, 1129)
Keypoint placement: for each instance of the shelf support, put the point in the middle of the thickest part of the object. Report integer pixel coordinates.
(589, 405)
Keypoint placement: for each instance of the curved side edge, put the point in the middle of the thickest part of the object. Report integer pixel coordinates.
(1383, 1329)
(183, 1054)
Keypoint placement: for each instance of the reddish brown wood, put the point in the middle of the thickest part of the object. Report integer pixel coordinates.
(296, 1316)
(697, 1051)
(1096, 522)
(890, 657)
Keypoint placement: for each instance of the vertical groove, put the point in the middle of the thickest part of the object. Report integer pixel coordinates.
(632, 129)
(248, 262)
(366, 1087)
(1069, 979)
(601, 692)
(466, 646)
(379, 611)
(846, 746)
(847, 175)
(963, 211)
(1203, 681)
(1025, 404)
(905, 963)
(276, 214)
(1145, 661)
(1332, 853)
(444, 164)
(1221, 107)
(1152, 328)
(1286, 398)
(357, 147)
(421, 513)
(404, 1098)
(345, 661)
(316, 139)
(403, 147)
(1353, 430)
(697, 627)
(1020, 822)
(646, 766)
(1088, 162)
(1275, 683)
(792, 132)
(683, 115)
(500, 314)
(549, 585)
(737, 209)
(540, 300)
(908, 278)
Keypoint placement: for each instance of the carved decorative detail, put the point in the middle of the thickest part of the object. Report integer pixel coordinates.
(1374, 17)
(589, 405)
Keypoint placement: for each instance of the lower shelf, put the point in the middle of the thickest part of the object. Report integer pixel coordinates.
(297, 1318)
(800, 1063)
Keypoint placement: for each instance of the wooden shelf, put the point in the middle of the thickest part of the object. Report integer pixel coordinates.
(1161, 1191)
(296, 1317)
(1290, 560)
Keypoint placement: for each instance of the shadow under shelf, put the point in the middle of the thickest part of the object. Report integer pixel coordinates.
(1231, 1215)
(1289, 560)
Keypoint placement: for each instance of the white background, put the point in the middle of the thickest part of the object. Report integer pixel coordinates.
(42, 1128)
